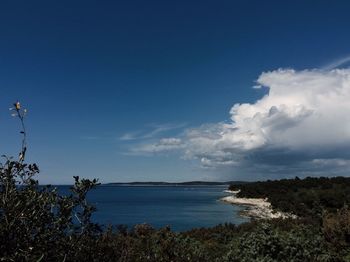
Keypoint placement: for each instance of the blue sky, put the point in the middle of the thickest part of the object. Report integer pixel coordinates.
(104, 79)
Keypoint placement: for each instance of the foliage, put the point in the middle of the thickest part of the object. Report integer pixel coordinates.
(267, 243)
(36, 223)
(31, 215)
(336, 230)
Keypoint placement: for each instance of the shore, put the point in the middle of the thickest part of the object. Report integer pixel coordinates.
(255, 207)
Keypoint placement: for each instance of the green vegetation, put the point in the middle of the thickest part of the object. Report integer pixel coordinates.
(37, 224)
(308, 197)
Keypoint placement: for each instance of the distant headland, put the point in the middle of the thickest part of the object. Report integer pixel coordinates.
(187, 183)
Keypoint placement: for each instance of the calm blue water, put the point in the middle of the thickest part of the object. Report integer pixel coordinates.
(181, 207)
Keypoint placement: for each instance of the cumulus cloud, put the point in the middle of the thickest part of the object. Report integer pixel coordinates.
(302, 126)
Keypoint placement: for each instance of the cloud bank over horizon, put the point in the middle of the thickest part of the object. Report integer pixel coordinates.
(301, 127)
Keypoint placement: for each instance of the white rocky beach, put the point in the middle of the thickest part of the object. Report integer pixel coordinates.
(259, 208)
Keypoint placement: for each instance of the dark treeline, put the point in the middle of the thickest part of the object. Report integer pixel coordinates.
(303, 197)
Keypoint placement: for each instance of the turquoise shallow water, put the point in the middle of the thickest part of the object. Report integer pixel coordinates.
(180, 207)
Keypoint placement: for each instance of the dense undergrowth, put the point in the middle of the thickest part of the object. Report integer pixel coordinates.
(38, 224)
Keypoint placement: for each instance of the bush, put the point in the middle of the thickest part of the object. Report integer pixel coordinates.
(267, 243)
(336, 229)
(36, 223)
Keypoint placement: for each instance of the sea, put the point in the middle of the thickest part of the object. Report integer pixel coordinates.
(180, 207)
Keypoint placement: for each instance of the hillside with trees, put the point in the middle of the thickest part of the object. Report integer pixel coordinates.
(307, 197)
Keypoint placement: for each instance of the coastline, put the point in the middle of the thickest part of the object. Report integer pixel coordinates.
(258, 208)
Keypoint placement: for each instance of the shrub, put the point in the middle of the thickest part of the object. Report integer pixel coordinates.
(267, 243)
(36, 223)
(336, 229)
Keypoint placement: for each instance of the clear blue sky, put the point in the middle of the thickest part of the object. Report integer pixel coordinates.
(99, 77)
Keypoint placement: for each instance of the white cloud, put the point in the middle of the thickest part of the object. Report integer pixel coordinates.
(163, 145)
(301, 124)
(155, 131)
(129, 136)
(337, 63)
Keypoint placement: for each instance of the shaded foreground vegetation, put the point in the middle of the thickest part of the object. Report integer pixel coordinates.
(38, 224)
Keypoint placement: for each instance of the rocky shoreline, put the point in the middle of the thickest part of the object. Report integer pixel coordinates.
(258, 208)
